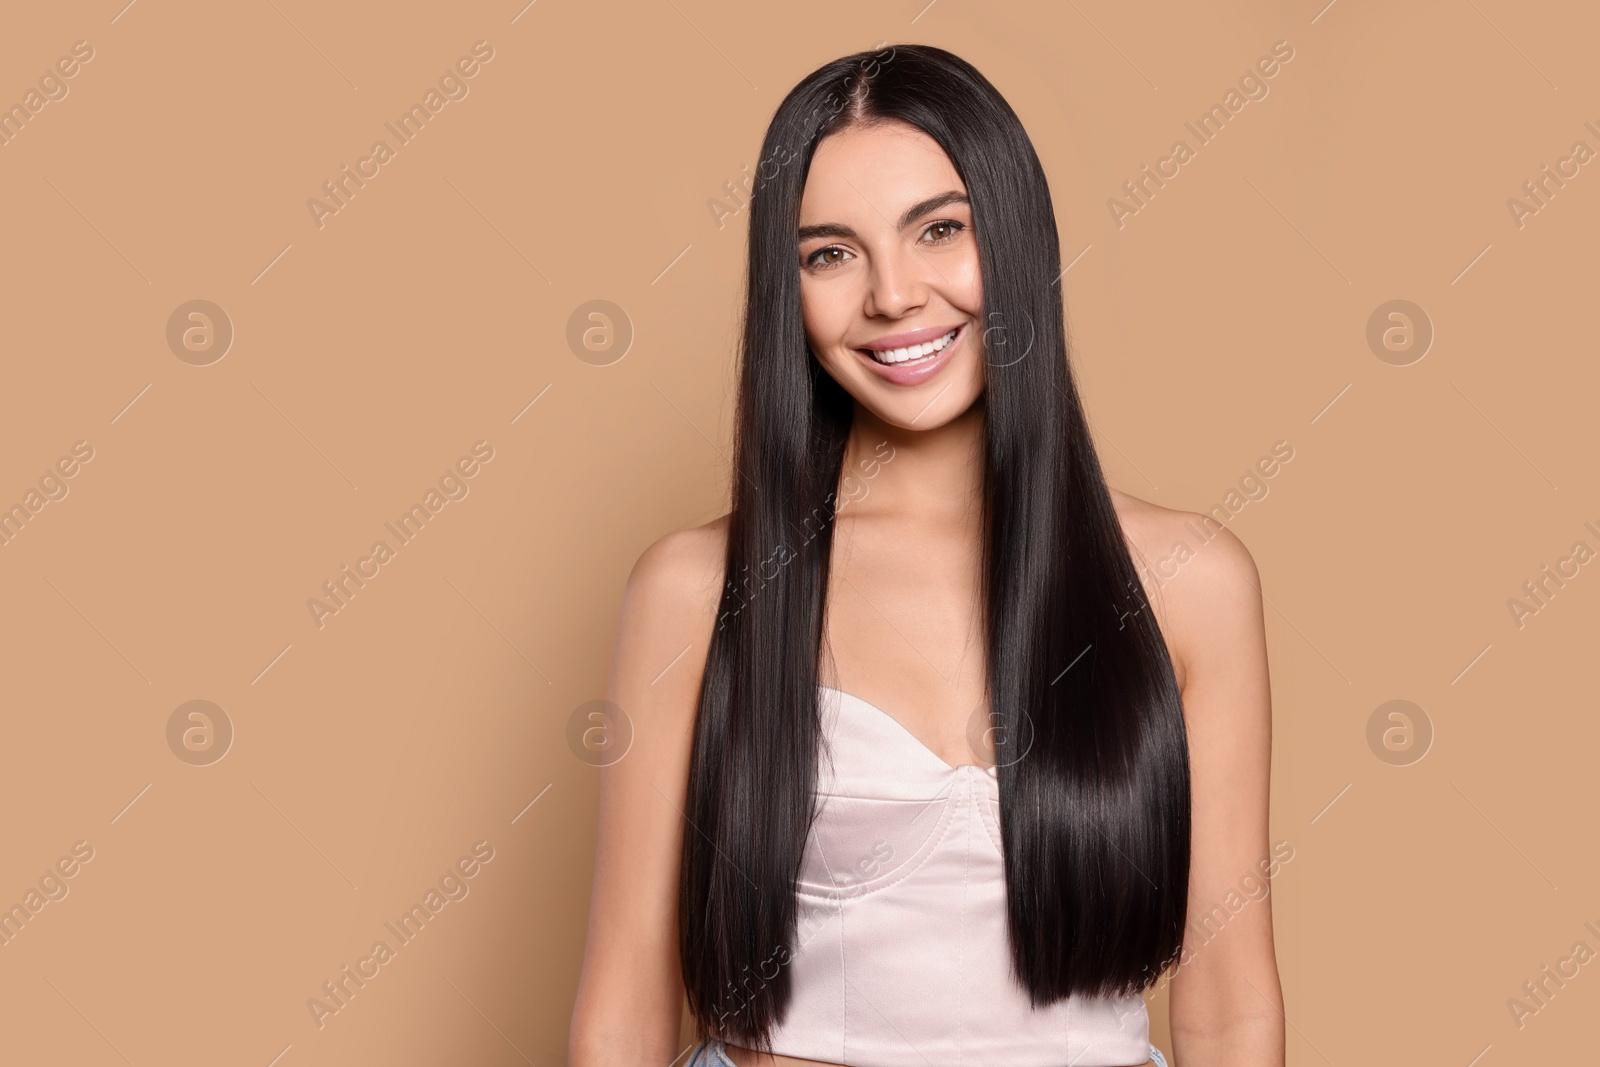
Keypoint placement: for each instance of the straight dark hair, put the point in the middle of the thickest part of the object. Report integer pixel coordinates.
(1092, 754)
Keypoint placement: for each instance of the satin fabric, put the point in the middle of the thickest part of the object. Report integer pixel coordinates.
(902, 957)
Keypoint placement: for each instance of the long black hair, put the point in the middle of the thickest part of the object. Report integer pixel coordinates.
(1095, 811)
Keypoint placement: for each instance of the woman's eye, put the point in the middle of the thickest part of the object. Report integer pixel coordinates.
(822, 259)
(941, 232)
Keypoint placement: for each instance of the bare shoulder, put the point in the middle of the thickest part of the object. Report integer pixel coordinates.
(682, 571)
(630, 992)
(1200, 577)
(1206, 578)
(670, 602)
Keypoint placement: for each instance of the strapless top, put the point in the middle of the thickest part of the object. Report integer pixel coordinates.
(902, 957)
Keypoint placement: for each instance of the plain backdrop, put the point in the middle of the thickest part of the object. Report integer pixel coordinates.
(348, 362)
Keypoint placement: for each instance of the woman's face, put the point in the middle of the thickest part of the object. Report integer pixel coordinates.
(889, 269)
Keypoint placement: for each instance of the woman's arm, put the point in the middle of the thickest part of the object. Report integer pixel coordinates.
(630, 996)
(1226, 1007)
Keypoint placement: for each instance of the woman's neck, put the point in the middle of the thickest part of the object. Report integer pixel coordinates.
(928, 475)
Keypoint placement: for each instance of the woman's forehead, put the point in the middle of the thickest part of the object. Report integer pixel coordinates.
(874, 173)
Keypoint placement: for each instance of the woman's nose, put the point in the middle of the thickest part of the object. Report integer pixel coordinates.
(897, 284)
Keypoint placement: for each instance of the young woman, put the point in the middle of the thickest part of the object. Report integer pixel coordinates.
(922, 772)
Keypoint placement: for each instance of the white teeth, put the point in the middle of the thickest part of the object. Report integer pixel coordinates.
(901, 355)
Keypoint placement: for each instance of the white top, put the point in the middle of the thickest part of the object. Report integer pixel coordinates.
(903, 958)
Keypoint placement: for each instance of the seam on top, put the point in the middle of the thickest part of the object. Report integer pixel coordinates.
(935, 838)
(844, 1007)
(983, 817)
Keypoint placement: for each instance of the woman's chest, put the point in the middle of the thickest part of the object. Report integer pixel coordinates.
(904, 631)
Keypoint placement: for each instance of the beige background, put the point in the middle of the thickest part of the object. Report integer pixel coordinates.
(368, 355)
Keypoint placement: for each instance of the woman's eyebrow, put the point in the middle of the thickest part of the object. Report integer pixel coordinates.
(912, 213)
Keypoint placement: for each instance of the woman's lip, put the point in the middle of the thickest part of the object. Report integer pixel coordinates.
(915, 372)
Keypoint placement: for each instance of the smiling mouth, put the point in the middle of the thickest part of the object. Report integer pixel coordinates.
(913, 353)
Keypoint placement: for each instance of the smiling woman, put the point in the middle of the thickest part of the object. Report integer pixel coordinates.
(936, 795)
(861, 271)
